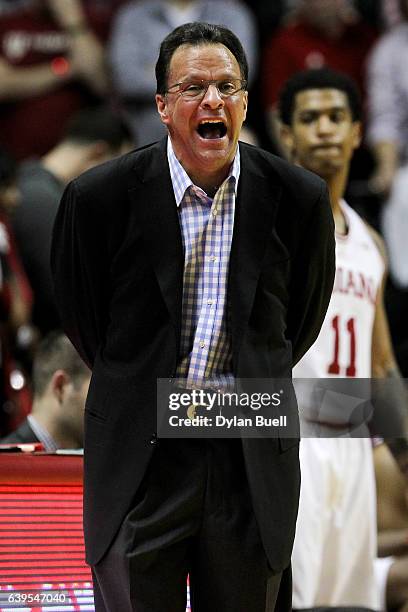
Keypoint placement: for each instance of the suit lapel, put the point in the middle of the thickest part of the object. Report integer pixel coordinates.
(255, 210)
(157, 212)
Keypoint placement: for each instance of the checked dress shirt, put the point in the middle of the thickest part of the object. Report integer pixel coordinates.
(206, 227)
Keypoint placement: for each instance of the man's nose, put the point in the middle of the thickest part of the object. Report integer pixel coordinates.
(324, 125)
(212, 97)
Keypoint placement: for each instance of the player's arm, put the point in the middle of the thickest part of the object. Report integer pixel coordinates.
(392, 511)
(389, 391)
(384, 364)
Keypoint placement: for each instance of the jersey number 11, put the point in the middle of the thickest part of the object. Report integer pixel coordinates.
(334, 367)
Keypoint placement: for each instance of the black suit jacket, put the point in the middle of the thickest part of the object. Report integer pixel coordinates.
(117, 262)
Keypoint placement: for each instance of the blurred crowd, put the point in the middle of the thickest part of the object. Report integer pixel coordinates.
(77, 88)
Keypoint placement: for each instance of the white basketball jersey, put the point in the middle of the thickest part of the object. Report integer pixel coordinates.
(334, 550)
(343, 347)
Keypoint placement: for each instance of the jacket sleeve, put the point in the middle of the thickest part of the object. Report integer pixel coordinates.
(80, 268)
(312, 277)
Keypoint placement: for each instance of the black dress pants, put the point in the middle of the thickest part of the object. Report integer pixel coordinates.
(192, 516)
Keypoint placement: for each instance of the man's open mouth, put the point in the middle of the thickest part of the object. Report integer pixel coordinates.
(211, 129)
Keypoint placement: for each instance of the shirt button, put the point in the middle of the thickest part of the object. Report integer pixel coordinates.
(213, 258)
(214, 212)
(210, 302)
(202, 344)
(153, 439)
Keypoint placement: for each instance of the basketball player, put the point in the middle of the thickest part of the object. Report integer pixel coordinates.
(335, 545)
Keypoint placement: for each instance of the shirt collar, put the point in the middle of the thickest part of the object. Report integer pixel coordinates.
(180, 179)
(42, 434)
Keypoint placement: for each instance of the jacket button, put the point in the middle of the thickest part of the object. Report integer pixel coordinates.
(153, 439)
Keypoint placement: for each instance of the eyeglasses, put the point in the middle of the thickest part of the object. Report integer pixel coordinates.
(196, 90)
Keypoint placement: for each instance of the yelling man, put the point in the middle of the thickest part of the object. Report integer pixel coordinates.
(208, 260)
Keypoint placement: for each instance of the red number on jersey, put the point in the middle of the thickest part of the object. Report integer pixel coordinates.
(334, 367)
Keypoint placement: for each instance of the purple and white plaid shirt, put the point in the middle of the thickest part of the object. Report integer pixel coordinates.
(206, 227)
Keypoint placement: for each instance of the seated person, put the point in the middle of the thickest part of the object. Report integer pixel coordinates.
(61, 381)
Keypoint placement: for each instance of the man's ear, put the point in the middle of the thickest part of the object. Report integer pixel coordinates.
(59, 382)
(161, 102)
(287, 140)
(245, 104)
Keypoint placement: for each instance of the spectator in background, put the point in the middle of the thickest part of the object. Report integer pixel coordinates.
(137, 31)
(92, 137)
(61, 381)
(371, 11)
(16, 296)
(388, 135)
(388, 103)
(51, 65)
(324, 32)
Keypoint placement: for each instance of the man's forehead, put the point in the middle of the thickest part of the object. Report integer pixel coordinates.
(198, 58)
(321, 99)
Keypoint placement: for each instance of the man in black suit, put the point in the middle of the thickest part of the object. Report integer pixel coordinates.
(207, 261)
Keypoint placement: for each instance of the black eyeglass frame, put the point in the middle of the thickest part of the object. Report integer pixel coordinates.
(206, 84)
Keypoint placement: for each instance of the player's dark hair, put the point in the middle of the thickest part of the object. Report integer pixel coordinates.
(197, 33)
(322, 78)
(55, 352)
(98, 123)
